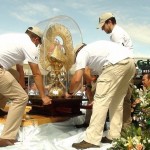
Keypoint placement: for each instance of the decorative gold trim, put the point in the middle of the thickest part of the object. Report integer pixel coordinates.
(52, 49)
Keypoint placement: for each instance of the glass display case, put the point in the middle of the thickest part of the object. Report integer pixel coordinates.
(61, 35)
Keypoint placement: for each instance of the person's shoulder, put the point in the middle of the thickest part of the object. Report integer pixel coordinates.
(101, 42)
(22, 35)
(8, 35)
(118, 32)
(12, 34)
(15, 37)
(120, 29)
(18, 36)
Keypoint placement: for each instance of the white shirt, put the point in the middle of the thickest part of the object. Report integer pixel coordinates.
(33, 92)
(15, 48)
(120, 36)
(99, 53)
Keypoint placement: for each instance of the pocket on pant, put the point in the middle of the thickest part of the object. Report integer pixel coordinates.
(123, 62)
(103, 87)
(2, 71)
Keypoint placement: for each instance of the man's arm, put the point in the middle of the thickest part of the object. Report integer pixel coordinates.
(21, 79)
(88, 80)
(75, 81)
(39, 82)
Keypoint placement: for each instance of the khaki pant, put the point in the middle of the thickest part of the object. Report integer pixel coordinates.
(127, 119)
(12, 90)
(88, 116)
(111, 89)
(127, 109)
(3, 99)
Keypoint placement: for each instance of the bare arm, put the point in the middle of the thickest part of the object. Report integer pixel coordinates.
(21, 79)
(88, 79)
(39, 82)
(76, 80)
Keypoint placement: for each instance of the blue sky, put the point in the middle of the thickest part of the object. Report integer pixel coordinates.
(132, 15)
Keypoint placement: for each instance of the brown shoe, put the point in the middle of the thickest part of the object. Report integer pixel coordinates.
(84, 145)
(106, 140)
(13, 141)
(3, 113)
(84, 125)
(6, 142)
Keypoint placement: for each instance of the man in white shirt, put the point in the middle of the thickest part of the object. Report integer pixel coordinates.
(107, 22)
(14, 49)
(115, 66)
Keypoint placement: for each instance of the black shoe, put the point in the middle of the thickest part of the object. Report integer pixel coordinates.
(3, 113)
(106, 140)
(84, 145)
(84, 125)
(5, 142)
(105, 127)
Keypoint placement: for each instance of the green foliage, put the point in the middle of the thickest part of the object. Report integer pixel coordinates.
(132, 138)
(137, 136)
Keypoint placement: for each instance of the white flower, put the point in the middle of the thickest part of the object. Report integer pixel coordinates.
(114, 143)
(144, 141)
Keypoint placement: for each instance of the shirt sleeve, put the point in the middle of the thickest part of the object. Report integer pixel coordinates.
(32, 55)
(117, 38)
(81, 60)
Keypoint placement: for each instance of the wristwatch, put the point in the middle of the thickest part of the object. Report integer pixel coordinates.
(70, 93)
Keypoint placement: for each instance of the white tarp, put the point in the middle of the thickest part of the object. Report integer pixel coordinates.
(51, 136)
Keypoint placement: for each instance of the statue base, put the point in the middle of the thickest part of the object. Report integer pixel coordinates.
(60, 106)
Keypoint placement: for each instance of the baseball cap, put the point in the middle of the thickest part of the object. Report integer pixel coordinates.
(103, 18)
(36, 31)
(79, 47)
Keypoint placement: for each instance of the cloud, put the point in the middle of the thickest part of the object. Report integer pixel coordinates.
(140, 35)
(33, 8)
(56, 10)
(30, 12)
(76, 5)
(141, 54)
(23, 17)
(139, 32)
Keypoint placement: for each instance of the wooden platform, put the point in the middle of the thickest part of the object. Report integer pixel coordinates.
(61, 106)
(35, 119)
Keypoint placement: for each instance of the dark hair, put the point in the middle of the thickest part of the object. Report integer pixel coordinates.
(113, 20)
(148, 75)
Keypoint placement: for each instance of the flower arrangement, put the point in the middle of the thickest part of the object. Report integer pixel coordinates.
(137, 136)
(141, 107)
(132, 138)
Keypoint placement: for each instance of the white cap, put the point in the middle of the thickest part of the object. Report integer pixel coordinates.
(36, 31)
(79, 46)
(103, 18)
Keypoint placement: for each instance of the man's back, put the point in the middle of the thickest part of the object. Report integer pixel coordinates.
(100, 53)
(15, 48)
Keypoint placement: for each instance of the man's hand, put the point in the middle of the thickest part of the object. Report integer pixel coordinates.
(90, 103)
(46, 100)
(68, 95)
